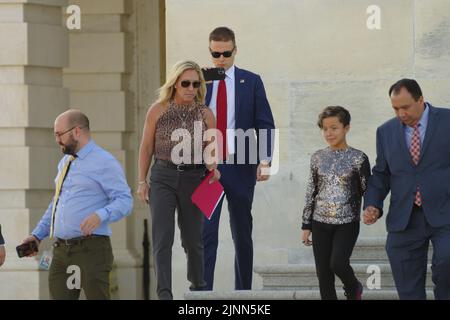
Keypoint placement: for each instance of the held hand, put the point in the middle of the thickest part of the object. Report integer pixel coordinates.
(371, 215)
(306, 238)
(90, 224)
(259, 172)
(2, 255)
(30, 239)
(215, 177)
(142, 192)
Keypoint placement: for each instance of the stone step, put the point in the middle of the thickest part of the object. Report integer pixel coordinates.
(289, 295)
(367, 250)
(301, 277)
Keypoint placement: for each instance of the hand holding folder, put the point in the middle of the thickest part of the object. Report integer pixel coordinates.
(208, 195)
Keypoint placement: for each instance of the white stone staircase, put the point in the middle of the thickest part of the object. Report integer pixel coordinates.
(298, 281)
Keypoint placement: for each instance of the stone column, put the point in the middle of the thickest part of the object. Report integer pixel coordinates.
(98, 78)
(34, 51)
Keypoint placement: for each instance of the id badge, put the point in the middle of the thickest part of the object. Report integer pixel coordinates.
(46, 260)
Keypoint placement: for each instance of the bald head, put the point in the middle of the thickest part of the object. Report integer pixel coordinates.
(74, 118)
(72, 131)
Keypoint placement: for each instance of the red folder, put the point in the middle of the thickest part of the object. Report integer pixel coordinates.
(208, 195)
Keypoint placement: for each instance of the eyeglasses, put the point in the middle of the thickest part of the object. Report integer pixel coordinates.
(59, 135)
(225, 54)
(187, 83)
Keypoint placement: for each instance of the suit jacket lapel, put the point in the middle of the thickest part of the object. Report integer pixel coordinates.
(209, 89)
(431, 128)
(238, 92)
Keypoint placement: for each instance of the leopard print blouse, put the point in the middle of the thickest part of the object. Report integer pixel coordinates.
(175, 133)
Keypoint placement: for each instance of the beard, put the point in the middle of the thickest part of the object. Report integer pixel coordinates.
(70, 147)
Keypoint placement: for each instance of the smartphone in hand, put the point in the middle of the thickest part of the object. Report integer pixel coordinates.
(25, 249)
(214, 74)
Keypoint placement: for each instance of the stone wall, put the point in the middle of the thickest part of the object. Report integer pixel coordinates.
(109, 69)
(34, 52)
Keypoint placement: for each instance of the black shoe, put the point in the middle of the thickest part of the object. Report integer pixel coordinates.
(355, 294)
(201, 288)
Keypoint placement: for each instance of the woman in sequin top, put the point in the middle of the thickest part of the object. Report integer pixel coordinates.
(174, 135)
(338, 180)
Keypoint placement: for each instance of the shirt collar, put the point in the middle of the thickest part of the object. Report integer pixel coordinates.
(83, 152)
(424, 120)
(230, 72)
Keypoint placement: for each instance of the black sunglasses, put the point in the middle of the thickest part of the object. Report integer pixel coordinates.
(187, 83)
(226, 54)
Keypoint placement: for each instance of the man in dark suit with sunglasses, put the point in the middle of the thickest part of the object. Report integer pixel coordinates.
(240, 105)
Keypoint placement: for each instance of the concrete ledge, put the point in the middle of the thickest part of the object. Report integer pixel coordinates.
(47, 45)
(97, 23)
(103, 6)
(56, 3)
(106, 53)
(93, 82)
(106, 109)
(289, 295)
(298, 277)
(241, 295)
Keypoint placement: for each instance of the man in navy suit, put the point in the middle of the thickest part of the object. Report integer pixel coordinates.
(238, 102)
(413, 163)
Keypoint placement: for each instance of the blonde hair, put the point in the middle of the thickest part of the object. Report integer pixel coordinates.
(167, 91)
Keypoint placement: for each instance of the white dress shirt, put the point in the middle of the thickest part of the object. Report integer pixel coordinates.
(231, 114)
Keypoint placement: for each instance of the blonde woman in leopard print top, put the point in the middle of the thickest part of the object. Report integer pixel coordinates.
(173, 136)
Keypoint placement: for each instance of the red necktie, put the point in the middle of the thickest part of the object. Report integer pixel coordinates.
(222, 117)
(415, 154)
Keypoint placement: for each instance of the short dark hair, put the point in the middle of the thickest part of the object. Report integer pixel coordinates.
(334, 111)
(222, 34)
(410, 85)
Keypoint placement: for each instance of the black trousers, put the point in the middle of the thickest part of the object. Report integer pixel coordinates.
(332, 246)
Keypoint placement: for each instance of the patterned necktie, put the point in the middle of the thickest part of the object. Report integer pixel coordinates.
(415, 154)
(222, 117)
(59, 184)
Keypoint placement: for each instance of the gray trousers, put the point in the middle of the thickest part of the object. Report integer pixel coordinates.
(169, 190)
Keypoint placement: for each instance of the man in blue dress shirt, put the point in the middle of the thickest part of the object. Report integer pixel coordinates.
(91, 193)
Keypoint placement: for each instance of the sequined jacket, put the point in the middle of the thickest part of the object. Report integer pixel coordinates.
(337, 182)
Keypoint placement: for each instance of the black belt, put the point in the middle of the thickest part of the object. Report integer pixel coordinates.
(78, 240)
(179, 167)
